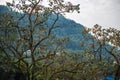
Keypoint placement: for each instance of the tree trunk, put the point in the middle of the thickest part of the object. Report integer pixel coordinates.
(117, 74)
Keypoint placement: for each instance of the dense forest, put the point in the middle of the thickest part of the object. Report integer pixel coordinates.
(38, 43)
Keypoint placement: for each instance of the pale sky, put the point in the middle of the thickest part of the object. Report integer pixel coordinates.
(103, 12)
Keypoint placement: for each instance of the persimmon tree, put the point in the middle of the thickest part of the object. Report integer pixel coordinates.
(27, 41)
(109, 42)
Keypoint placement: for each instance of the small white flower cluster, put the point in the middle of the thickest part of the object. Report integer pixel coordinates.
(27, 53)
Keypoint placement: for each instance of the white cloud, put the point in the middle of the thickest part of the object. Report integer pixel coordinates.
(103, 12)
(3, 2)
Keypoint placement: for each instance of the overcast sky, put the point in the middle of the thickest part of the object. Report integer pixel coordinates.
(103, 12)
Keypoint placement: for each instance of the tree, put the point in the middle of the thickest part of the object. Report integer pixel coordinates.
(109, 40)
(26, 39)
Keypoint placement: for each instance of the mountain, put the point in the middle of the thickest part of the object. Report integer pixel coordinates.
(3, 9)
(68, 28)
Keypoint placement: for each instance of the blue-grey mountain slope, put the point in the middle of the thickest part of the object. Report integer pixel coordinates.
(68, 28)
